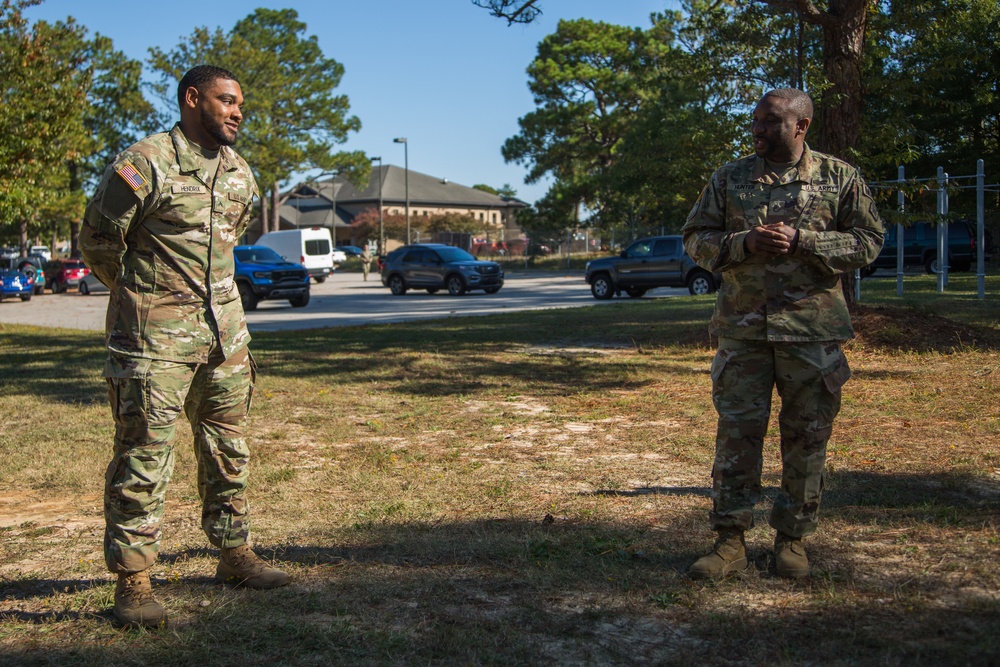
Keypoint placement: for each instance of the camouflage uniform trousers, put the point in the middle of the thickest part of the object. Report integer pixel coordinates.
(147, 397)
(809, 377)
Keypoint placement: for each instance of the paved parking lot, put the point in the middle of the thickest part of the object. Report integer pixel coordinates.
(343, 300)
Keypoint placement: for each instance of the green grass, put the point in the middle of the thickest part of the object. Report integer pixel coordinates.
(519, 490)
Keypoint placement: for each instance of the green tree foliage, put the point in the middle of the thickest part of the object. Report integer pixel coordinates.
(934, 88)
(365, 224)
(57, 136)
(506, 190)
(293, 117)
(39, 125)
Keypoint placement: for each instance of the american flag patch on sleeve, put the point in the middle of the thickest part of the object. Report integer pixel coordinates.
(131, 176)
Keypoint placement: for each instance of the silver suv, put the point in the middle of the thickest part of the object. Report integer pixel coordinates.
(435, 266)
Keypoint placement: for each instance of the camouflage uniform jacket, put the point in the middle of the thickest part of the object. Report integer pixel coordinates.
(160, 232)
(794, 297)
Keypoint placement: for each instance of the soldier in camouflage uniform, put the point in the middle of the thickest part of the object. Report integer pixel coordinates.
(781, 227)
(160, 232)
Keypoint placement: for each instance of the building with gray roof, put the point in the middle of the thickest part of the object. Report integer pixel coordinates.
(334, 202)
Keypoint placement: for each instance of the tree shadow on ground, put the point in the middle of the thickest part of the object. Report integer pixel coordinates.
(514, 592)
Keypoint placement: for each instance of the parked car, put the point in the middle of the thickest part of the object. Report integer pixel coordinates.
(41, 251)
(89, 284)
(920, 247)
(312, 247)
(61, 274)
(435, 266)
(657, 261)
(350, 250)
(16, 283)
(263, 274)
(339, 256)
(32, 267)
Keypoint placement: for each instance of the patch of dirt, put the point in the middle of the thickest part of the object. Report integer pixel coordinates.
(907, 330)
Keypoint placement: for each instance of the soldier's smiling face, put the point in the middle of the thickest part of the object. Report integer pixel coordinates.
(778, 132)
(219, 113)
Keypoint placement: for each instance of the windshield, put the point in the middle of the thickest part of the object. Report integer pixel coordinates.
(258, 254)
(454, 255)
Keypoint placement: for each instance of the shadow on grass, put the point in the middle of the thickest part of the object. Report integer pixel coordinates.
(509, 592)
(435, 357)
(944, 499)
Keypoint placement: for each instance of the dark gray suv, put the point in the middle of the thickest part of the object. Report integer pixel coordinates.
(657, 261)
(435, 266)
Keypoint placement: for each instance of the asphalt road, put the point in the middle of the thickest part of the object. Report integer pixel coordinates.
(343, 300)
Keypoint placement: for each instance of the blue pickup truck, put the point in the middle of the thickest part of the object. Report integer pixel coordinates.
(261, 274)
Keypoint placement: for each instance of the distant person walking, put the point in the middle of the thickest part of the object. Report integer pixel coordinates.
(160, 232)
(781, 227)
(366, 261)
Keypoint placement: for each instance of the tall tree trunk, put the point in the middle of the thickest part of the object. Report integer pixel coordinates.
(264, 217)
(275, 208)
(23, 237)
(74, 225)
(841, 106)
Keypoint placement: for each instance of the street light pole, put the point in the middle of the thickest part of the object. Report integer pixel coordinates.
(381, 226)
(406, 180)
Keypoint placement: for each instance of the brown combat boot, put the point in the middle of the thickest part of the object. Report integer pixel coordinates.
(790, 557)
(242, 567)
(135, 604)
(729, 555)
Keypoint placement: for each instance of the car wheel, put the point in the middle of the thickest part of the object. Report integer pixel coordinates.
(248, 298)
(931, 264)
(300, 301)
(396, 285)
(635, 292)
(701, 282)
(491, 290)
(26, 297)
(319, 279)
(601, 286)
(433, 290)
(84, 290)
(39, 288)
(455, 284)
(58, 288)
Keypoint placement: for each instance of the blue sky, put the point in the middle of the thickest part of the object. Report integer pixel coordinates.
(442, 73)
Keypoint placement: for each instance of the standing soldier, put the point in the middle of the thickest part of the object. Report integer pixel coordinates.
(159, 232)
(781, 227)
(366, 260)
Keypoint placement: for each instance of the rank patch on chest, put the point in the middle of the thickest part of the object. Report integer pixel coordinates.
(131, 176)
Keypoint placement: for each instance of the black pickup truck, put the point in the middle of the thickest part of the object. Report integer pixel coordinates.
(920, 247)
(656, 261)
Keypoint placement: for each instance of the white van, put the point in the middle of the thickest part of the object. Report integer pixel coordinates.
(311, 247)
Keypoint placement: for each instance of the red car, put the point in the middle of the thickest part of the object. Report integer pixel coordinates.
(61, 274)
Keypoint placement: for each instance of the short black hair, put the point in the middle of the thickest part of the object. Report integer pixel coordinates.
(199, 76)
(799, 101)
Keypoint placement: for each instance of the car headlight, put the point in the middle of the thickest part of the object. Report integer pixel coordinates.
(587, 267)
(262, 275)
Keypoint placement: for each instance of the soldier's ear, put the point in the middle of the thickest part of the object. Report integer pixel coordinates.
(191, 97)
(802, 126)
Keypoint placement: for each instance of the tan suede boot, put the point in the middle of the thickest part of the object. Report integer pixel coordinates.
(134, 602)
(728, 556)
(790, 559)
(242, 567)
